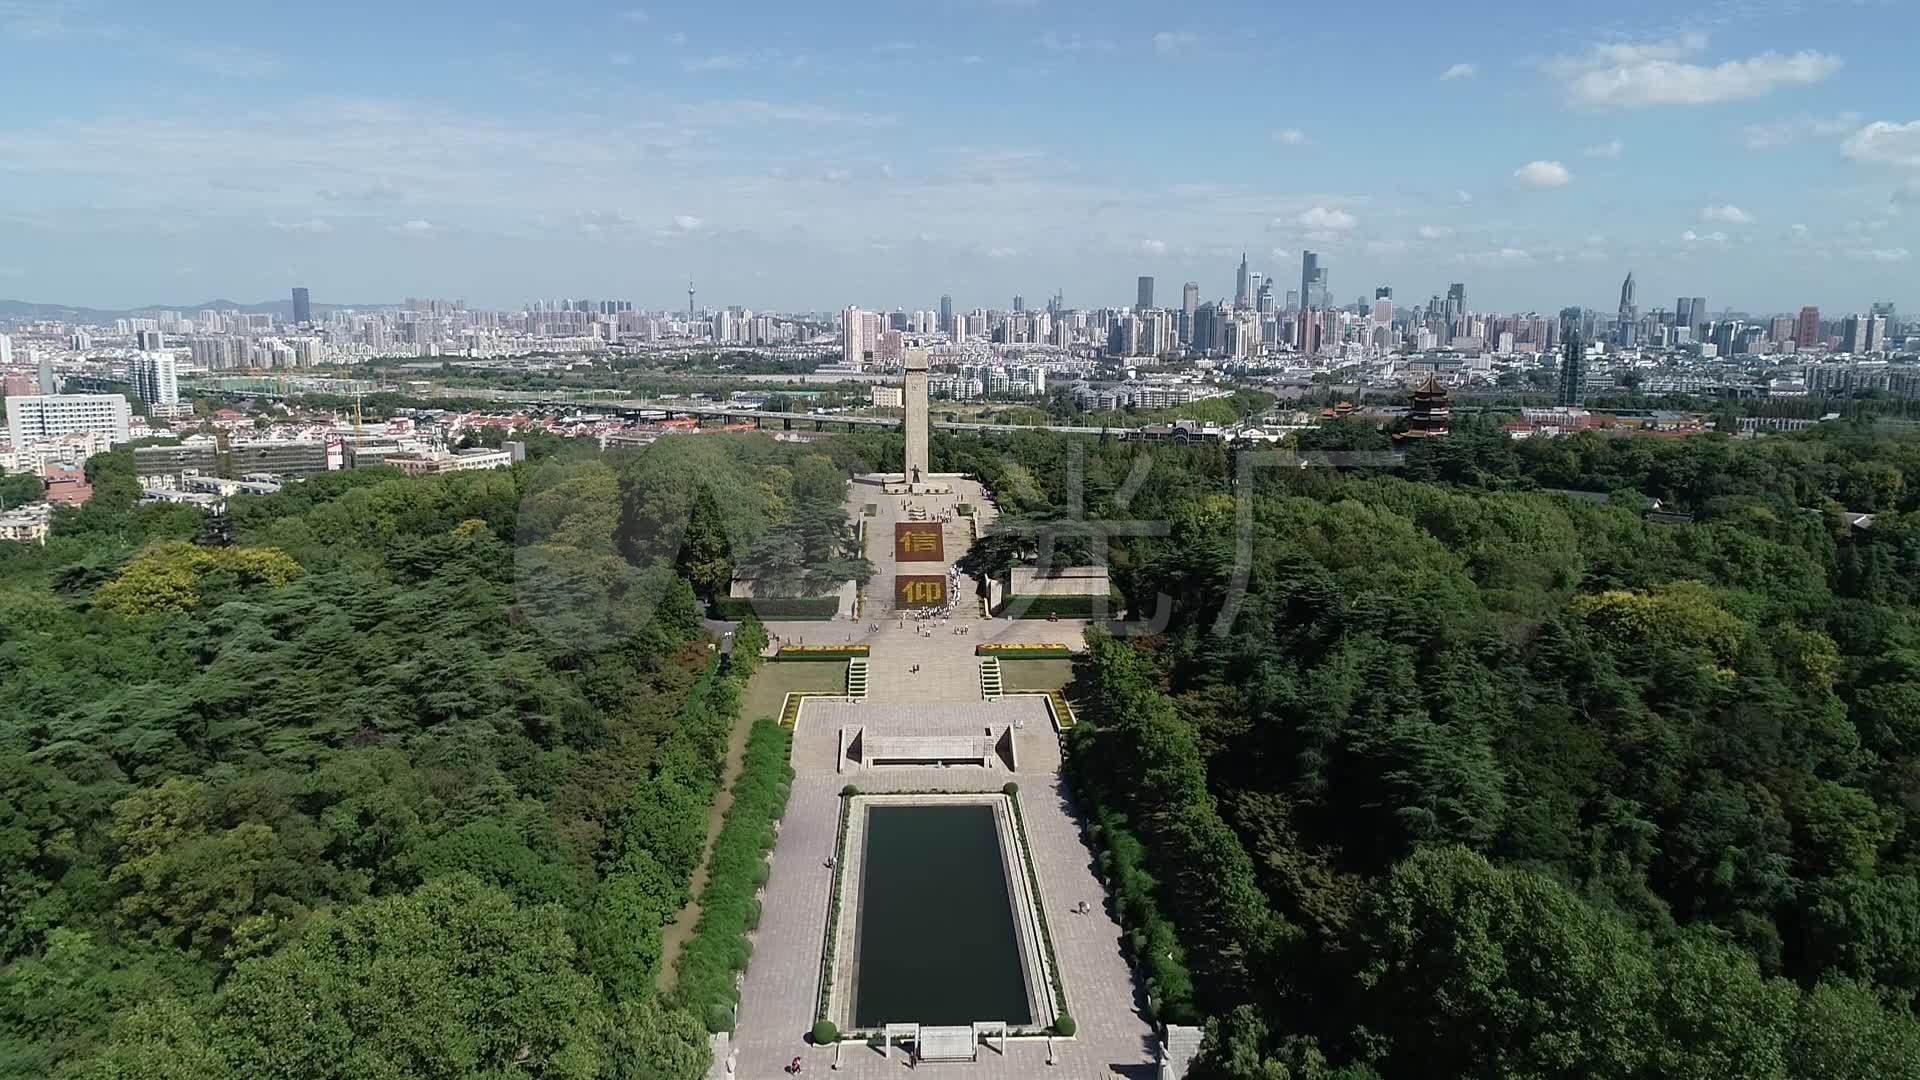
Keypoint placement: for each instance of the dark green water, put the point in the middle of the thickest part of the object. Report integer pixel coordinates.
(937, 944)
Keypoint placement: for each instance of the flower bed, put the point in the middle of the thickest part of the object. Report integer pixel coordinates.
(1028, 650)
(820, 652)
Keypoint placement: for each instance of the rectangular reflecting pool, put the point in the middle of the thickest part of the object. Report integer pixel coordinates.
(937, 943)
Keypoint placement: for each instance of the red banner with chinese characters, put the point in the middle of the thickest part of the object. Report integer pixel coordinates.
(918, 541)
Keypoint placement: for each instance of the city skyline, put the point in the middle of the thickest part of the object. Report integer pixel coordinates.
(786, 163)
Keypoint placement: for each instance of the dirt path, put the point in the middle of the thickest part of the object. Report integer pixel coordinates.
(675, 936)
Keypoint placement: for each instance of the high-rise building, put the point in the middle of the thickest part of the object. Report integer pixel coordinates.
(302, 308)
(1383, 292)
(1700, 316)
(946, 314)
(1143, 300)
(1309, 274)
(48, 382)
(1683, 312)
(49, 416)
(156, 378)
(1853, 334)
(853, 342)
(1242, 288)
(6, 350)
(1019, 304)
(1263, 297)
(1573, 370)
(1629, 323)
(149, 340)
(1806, 333)
(1876, 334)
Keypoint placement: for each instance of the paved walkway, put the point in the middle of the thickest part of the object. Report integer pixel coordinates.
(780, 992)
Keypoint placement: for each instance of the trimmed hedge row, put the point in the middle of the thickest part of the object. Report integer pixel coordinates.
(705, 977)
(776, 607)
(1067, 607)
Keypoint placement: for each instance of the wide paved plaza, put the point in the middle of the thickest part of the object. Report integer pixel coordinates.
(781, 988)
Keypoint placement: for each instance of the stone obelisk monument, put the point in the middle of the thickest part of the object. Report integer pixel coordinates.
(914, 398)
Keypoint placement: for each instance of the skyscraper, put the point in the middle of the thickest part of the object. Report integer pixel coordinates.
(1683, 312)
(1144, 300)
(1853, 336)
(1456, 300)
(1263, 297)
(1806, 335)
(1700, 311)
(1629, 312)
(1876, 334)
(156, 378)
(946, 314)
(302, 308)
(1383, 292)
(853, 342)
(1019, 304)
(1573, 370)
(1242, 293)
(1309, 273)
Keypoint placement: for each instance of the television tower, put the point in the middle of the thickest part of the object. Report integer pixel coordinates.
(689, 298)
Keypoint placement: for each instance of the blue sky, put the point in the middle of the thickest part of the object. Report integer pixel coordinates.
(1763, 153)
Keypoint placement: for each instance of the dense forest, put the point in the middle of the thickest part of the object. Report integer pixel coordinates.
(1469, 776)
(393, 778)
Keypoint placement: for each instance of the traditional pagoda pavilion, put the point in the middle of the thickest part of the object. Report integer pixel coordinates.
(1427, 417)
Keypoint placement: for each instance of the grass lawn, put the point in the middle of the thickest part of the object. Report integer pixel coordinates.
(1035, 674)
(774, 680)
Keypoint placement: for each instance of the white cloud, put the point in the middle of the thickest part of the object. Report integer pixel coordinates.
(1894, 254)
(1794, 129)
(416, 227)
(314, 226)
(1434, 232)
(1290, 137)
(621, 59)
(633, 15)
(676, 38)
(716, 62)
(1799, 230)
(1074, 44)
(1506, 256)
(1280, 254)
(686, 222)
(972, 59)
(1543, 174)
(1636, 75)
(1906, 194)
(1610, 149)
(1726, 214)
(1462, 197)
(1167, 42)
(1153, 247)
(1691, 237)
(1884, 143)
(1327, 219)
(1459, 71)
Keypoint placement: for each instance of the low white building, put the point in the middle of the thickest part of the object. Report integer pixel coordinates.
(27, 524)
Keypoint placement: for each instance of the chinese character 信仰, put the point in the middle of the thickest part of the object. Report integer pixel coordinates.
(925, 592)
(919, 541)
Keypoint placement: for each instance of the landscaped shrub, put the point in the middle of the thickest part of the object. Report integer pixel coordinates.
(1011, 789)
(824, 1033)
(849, 791)
(736, 871)
(719, 1018)
(1063, 1025)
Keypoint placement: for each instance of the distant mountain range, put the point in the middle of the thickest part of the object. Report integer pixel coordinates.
(279, 309)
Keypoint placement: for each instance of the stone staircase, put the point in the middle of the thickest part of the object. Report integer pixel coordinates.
(857, 677)
(990, 678)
